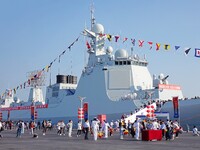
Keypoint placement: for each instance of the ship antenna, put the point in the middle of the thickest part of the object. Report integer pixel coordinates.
(92, 15)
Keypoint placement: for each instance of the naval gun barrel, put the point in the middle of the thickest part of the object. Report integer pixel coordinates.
(165, 78)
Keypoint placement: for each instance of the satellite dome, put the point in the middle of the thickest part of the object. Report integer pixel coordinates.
(98, 28)
(121, 53)
(109, 49)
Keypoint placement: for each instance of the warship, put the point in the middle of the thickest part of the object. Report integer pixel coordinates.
(113, 82)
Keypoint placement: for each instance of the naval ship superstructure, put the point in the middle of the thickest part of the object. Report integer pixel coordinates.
(112, 83)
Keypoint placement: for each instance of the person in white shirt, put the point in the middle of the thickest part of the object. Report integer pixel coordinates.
(1, 129)
(79, 128)
(136, 125)
(195, 131)
(70, 125)
(105, 128)
(155, 125)
(62, 127)
(86, 128)
(95, 128)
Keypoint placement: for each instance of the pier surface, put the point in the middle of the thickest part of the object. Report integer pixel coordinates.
(51, 141)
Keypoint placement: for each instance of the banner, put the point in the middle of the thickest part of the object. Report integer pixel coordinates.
(32, 112)
(8, 117)
(176, 107)
(85, 110)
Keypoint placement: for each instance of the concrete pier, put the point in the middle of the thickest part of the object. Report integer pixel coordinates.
(52, 141)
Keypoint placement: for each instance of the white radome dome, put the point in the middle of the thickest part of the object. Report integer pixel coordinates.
(109, 49)
(121, 53)
(98, 28)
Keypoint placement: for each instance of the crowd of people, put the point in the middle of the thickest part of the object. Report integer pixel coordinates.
(170, 129)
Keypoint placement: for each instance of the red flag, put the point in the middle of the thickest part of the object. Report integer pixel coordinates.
(157, 46)
(140, 43)
(150, 43)
(125, 39)
(176, 103)
(88, 45)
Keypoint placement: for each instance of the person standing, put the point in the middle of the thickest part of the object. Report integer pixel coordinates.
(23, 126)
(95, 128)
(86, 128)
(44, 126)
(38, 125)
(121, 129)
(19, 129)
(70, 125)
(59, 128)
(137, 129)
(163, 128)
(105, 128)
(1, 129)
(32, 126)
(62, 128)
(79, 128)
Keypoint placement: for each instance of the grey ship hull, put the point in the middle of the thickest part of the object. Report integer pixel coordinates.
(189, 112)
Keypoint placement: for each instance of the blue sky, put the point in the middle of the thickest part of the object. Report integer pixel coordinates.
(34, 32)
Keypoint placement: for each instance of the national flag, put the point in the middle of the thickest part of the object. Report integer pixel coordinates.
(177, 47)
(150, 44)
(197, 52)
(140, 43)
(166, 47)
(157, 46)
(116, 38)
(187, 51)
(88, 45)
(109, 37)
(133, 42)
(176, 107)
(125, 39)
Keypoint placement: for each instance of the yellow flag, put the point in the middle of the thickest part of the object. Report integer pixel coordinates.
(166, 47)
(109, 37)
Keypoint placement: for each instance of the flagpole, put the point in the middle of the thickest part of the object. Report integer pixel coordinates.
(81, 99)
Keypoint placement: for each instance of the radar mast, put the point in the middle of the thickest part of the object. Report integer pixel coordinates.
(92, 15)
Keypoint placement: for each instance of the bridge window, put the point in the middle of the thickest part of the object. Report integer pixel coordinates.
(124, 62)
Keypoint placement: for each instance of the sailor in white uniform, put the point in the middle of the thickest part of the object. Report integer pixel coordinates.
(95, 127)
(105, 128)
(137, 128)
